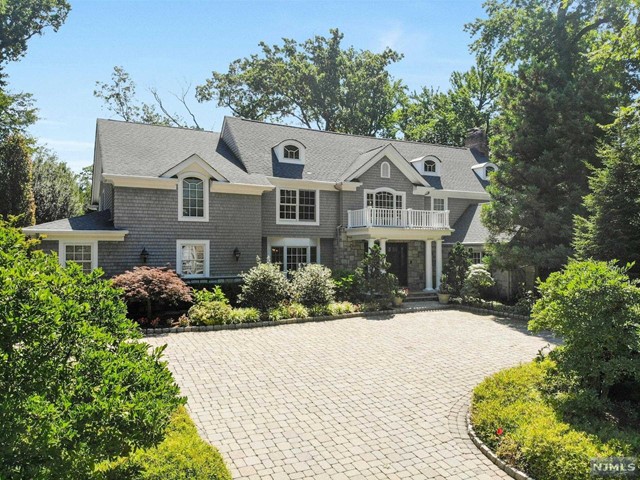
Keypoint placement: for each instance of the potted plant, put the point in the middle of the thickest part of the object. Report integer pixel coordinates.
(444, 291)
(399, 294)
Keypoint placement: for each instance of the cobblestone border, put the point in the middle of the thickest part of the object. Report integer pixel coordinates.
(289, 321)
(497, 313)
(508, 469)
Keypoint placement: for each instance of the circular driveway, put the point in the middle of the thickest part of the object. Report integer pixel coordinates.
(354, 398)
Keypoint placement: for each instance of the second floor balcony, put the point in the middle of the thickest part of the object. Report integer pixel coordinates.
(398, 218)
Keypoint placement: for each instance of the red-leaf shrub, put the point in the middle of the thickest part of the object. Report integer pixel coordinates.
(153, 289)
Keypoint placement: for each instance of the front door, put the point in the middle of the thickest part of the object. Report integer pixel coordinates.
(397, 256)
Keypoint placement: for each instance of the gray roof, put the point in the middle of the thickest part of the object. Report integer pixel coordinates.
(151, 150)
(469, 229)
(330, 155)
(85, 223)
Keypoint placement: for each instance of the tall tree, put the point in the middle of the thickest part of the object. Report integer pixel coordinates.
(612, 229)
(119, 96)
(316, 83)
(446, 117)
(84, 179)
(549, 126)
(16, 176)
(23, 19)
(55, 190)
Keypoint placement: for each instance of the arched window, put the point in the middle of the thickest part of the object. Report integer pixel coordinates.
(430, 166)
(384, 199)
(193, 197)
(291, 152)
(385, 170)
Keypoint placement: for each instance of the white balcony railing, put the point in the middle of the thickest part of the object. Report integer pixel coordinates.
(398, 218)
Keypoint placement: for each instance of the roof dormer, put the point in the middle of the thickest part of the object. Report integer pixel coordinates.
(429, 165)
(483, 170)
(290, 151)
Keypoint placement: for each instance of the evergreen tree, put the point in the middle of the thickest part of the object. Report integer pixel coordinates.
(16, 176)
(547, 132)
(612, 229)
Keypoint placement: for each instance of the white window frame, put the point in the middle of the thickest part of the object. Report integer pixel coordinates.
(279, 151)
(180, 244)
(62, 250)
(385, 170)
(423, 171)
(288, 221)
(285, 243)
(205, 197)
(446, 203)
(389, 190)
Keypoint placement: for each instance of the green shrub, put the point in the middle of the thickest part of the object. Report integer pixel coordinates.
(312, 285)
(210, 313)
(244, 315)
(373, 279)
(478, 281)
(456, 269)
(346, 288)
(286, 311)
(339, 308)
(264, 288)
(534, 437)
(204, 295)
(152, 290)
(595, 308)
(78, 386)
(182, 455)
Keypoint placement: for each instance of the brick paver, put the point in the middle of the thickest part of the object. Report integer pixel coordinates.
(377, 398)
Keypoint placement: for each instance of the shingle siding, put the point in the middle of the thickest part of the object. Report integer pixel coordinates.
(457, 206)
(49, 246)
(372, 180)
(329, 214)
(151, 216)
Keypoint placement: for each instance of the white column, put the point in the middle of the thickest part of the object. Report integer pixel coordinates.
(372, 242)
(428, 269)
(383, 245)
(438, 262)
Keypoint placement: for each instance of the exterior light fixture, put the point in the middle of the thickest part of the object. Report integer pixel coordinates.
(144, 255)
(236, 253)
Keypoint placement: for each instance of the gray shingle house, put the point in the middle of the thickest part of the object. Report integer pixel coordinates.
(209, 203)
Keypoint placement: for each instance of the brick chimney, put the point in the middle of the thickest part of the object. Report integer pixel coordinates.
(477, 141)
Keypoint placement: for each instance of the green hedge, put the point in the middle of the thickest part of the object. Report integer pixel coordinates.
(534, 435)
(182, 455)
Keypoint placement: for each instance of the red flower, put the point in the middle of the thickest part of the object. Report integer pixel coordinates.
(500, 431)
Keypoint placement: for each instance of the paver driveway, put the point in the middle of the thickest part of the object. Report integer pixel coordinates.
(353, 398)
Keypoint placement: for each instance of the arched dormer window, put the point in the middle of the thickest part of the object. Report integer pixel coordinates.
(484, 169)
(385, 170)
(290, 151)
(193, 198)
(430, 166)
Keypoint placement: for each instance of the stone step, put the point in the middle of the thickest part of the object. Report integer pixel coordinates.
(421, 297)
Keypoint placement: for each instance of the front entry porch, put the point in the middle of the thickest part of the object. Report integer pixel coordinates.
(410, 263)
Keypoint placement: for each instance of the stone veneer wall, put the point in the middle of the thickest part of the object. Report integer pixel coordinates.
(416, 265)
(347, 252)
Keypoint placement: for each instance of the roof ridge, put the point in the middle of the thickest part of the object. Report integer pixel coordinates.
(175, 127)
(345, 134)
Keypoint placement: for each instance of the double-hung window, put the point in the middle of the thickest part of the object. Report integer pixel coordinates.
(84, 254)
(297, 206)
(439, 204)
(192, 258)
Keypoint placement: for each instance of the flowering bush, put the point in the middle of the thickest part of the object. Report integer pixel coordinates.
(477, 282)
(152, 289)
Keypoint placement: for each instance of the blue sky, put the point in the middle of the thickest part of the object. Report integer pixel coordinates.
(167, 44)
